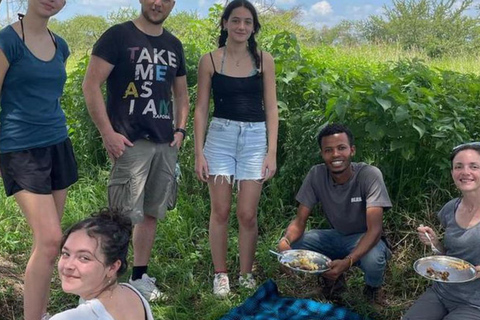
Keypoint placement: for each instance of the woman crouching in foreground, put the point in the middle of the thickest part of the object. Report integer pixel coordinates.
(461, 219)
(93, 256)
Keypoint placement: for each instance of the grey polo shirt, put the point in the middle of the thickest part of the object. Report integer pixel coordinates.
(345, 205)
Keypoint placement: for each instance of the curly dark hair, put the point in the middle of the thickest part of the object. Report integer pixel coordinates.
(332, 129)
(252, 43)
(112, 231)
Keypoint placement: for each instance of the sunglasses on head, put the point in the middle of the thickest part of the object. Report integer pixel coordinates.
(468, 144)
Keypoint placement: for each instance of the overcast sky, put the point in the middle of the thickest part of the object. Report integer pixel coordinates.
(316, 12)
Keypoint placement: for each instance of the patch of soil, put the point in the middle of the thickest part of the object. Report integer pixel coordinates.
(11, 289)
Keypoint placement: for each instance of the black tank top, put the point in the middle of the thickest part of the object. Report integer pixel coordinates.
(238, 99)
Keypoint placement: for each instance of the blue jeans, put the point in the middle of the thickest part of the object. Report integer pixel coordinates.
(335, 245)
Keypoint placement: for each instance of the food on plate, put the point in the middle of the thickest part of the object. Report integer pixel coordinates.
(437, 275)
(459, 265)
(303, 263)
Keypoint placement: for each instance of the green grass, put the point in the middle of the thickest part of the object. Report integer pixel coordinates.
(181, 258)
(372, 54)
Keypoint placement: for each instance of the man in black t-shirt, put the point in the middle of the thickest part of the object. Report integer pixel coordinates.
(143, 64)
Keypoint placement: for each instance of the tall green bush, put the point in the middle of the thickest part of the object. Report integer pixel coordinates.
(86, 140)
(405, 115)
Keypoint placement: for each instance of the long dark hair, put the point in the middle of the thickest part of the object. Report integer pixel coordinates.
(252, 43)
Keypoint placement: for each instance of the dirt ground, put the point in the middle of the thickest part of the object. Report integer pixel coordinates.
(11, 289)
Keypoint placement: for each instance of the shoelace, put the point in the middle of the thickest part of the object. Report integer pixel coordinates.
(151, 282)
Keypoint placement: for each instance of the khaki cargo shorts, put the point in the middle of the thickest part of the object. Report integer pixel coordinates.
(143, 179)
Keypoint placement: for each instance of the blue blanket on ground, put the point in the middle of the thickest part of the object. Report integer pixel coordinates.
(266, 304)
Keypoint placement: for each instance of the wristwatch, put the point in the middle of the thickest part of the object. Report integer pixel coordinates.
(182, 131)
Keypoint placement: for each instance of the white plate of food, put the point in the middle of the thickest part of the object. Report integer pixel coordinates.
(304, 261)
(445, 269)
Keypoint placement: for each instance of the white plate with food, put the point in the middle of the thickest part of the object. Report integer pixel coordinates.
(304, 261)
(445, 269)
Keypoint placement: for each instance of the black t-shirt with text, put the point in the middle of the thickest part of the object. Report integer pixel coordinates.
(139, 88)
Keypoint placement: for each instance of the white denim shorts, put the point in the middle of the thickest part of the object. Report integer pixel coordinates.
(235, 148)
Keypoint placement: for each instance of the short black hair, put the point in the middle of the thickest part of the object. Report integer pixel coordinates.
(332, 129)
(466, 146)
(112, 230)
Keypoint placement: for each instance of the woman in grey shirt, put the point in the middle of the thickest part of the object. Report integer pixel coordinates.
(461, 219)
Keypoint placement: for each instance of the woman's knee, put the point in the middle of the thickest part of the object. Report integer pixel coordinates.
(220, 215)
(247, 220)
(49, 246)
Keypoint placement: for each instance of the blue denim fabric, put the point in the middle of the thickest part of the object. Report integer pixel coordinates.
(335, 245)
(235, 148)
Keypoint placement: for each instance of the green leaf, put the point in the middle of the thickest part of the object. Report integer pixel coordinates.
(420, 127)
(440, 135)
(407, 153)
(341, 109)
(401, 114)
(375, 132)
(386, 104)
(330, 106)
(397, 144)
(282, 105)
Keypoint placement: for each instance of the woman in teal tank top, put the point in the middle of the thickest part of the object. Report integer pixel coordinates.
(36, 157)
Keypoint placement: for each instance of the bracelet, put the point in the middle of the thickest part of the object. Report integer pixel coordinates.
(182, 131)
(285, 239)
(349, 257)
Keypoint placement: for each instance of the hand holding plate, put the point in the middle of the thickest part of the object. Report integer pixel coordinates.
(337, 267)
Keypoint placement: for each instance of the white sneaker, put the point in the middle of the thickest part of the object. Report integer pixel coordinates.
(146, 286)
(46, 316)
(221, 286)
(247, 281)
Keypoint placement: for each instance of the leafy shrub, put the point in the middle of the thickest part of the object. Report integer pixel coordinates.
(405, 115)
(86, 140)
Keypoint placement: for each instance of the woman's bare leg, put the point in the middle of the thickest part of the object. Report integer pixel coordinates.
(247, 205)
(43, 217)
(220, 202)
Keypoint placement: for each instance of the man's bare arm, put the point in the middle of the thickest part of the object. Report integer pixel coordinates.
(97, 73)
(295, 229)
(182, 107)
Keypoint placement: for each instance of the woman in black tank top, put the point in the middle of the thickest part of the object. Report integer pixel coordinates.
(242, 138)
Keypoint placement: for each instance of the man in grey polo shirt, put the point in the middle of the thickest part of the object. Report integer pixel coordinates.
(353, 198)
